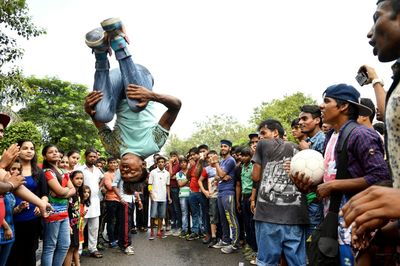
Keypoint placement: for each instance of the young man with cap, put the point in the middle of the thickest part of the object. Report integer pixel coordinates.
(226, 198)
(365, 162)
(253, 140)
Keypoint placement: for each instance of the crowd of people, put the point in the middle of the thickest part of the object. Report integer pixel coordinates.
(237, 198)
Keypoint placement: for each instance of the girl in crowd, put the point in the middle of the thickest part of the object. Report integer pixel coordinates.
(7, 232)
(26, 215)
(73, 159)
(74, 217)
(64, 164)
(56, 239)
(84, 195)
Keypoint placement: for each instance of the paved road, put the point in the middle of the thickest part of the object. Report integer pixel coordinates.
(171, 251)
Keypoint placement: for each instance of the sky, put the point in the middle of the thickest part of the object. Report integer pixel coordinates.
(217, 56)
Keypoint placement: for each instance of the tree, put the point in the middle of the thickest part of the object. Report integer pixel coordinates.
(21, 130)
(56, 108)
(14, 20)
(210, 132)
(284, 110)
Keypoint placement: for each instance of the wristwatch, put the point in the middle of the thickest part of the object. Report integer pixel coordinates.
(377, 80)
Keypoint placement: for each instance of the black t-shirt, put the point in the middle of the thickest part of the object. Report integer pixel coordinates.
(278, 200)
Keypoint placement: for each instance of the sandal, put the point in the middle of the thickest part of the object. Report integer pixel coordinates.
(96, 254)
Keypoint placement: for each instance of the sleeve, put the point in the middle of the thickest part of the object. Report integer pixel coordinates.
(368, 150)
(204, 173)
(107, 181)
(151, 178)
(117, 179)
(168, 179)
(229, 167)
(258, 154)
(49, 175)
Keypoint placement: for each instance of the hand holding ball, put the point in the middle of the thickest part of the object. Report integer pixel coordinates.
(309, 162)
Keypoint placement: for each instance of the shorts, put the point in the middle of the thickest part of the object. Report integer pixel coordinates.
(213, 211)
(158, 209)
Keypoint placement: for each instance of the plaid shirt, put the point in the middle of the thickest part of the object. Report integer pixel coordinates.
(365, 154)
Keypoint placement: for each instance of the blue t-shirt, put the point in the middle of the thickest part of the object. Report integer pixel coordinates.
(9, 202)
(137, 133)
(227, 187)
(28, 213)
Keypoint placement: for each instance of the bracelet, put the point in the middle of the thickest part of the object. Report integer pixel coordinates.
(377, 80)
(12, 186)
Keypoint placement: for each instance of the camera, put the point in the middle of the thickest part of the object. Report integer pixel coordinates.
(362, 78)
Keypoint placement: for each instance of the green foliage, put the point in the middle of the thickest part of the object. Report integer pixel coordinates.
(56, 108)
(15, 21)
(210, 132)
(284, 110)
(19, 131)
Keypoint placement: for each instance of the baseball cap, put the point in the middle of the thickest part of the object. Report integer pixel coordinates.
(253, 135)
(226, 142)
(349, 94)
(4, 119)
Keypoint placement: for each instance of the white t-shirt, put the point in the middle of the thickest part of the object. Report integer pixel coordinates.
(159, 179)
(119, 183)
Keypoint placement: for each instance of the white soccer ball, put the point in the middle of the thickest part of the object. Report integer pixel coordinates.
(309, 162)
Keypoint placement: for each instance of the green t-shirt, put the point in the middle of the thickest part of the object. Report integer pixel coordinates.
(137, 133)
(184, 191)
(247, 181)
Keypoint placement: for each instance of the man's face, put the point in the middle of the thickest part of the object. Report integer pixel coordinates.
(253, 142)
(131, 168)
(113, 165)
(296, 132)
(385, 33)
(307, 122)
(174, 158)
(225, 149)
(266, 133)
(329, 110)
(161, 164)
(1, 131)
(91, 158)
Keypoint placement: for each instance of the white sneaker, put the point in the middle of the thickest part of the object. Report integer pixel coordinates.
(177, 232)
(129, 250)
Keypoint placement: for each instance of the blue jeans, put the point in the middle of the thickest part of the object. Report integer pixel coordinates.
(184, 202)
(56, 241)
(315, 214)
(229, 222)
(114, 83)
(198, 208)
(5, 250)
(176, 210)
(272, 239)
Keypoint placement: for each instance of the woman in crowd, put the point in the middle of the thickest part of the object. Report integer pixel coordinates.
(73, 159)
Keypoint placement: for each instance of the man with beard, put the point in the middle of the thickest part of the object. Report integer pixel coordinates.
(226, 198)
(92, 177)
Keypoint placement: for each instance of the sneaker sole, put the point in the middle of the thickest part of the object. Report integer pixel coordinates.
(111, 24)
(96, 43)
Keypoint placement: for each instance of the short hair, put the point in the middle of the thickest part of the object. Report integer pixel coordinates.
(314, 110)
(368, 102)
(203, 146)
(380, 127)
(101, 159)
(90, 150)
(272, 124)
(247, 151)
(295, 122)
(183, 159)
(111, 158)
(395, 5)
(173, 153)
(213, 152)
(352, 110)
(194, 150)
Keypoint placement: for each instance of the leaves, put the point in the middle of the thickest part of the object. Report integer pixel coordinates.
(56, 107)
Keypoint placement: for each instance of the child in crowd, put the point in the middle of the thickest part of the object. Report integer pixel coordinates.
(184, 192)
(7, 234)
(56, 238)
(74, 217)
(84, 195)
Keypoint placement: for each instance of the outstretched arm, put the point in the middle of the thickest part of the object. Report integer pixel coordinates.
(143, 95)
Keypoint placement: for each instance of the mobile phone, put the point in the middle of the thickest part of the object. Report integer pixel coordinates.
(362, 78)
